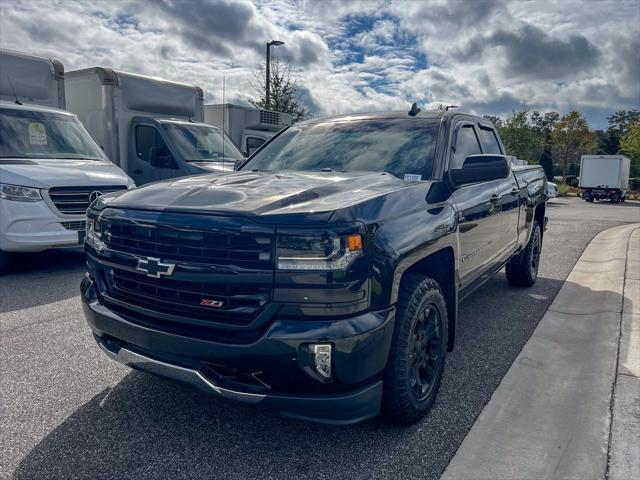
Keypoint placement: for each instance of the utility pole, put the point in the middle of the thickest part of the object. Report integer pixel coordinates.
(267, 96)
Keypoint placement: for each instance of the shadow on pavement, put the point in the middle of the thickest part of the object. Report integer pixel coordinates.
(147, 427)
(58, 271)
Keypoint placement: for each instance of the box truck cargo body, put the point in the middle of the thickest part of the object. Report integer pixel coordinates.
(31, 79)
(604, 177)
(248, 127)
(152, 128)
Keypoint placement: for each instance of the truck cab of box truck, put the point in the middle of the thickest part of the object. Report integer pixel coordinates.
(50, 167)
(152, 128)
(248, 127)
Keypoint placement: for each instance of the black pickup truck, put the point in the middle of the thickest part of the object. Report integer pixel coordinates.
(322, 277)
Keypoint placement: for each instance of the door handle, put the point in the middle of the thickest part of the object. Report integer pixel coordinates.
(137, 171)
(515, 190)
(495, 198)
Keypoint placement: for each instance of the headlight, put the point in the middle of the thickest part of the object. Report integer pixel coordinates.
(94, 232)
(19, 194)
(318, 253)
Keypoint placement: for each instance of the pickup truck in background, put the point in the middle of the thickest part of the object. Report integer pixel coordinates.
(323, 277)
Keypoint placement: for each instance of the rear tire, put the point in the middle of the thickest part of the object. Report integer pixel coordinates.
(5, 262)
(522, 270)
(418, 349)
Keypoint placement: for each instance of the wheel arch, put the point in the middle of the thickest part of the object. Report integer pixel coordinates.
(440, 266)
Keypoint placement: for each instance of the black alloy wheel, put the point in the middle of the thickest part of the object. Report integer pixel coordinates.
(426, 352)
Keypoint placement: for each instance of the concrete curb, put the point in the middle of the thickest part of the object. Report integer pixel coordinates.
(624, 449)
(550, 417)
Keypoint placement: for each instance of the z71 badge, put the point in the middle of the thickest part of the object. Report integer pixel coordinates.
(207, 302)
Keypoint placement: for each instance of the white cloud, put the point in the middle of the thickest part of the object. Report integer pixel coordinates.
(488, 55)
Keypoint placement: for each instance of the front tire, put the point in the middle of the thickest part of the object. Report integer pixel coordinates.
(5, 262)
(418, 349)
(522, 269)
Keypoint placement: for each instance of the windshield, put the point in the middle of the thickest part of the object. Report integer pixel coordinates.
(397, 146)
(199, 143)
(36, 134)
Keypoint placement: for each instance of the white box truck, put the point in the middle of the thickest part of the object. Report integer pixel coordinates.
(604, 177)
(248, 127)
(152, 128)
(50, 167)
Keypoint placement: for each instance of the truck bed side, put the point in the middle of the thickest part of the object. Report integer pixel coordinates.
(532, 182)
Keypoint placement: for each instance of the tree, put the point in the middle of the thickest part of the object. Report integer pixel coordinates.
(282, 91)
(608, 142)
(544, 125)
(630, 146)
(520, 138)
(618, 125)
(571, 138)
(497, 121)
(546, 161)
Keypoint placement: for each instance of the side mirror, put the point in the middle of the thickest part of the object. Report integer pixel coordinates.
(480, 168)
(161, 158)
(237, 163)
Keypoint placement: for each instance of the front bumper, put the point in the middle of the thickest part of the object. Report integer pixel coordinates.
(360, 351)
(34, 227)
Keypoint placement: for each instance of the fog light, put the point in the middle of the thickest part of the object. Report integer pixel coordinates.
(322, 359)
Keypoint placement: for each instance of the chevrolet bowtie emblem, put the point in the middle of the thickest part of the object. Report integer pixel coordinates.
(154, 267)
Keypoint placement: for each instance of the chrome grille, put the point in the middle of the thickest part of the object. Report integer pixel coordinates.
(75, 200)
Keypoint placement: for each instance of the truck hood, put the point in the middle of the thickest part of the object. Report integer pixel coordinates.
(47, 173)
(262, 193)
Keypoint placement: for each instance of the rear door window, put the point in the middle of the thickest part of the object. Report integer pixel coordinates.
(490, 142)
(466, 144)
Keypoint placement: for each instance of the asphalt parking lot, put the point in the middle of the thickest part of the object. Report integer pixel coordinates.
(69, 412)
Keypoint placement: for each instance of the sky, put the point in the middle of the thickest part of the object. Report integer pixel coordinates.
(489, 57)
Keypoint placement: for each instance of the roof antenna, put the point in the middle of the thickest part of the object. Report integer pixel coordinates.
(450, 106)
(17, 102)
(414, 110)
(224, 108)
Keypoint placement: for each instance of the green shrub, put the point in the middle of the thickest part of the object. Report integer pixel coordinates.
(563, 189)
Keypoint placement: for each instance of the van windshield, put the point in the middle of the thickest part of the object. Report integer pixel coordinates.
(200, 143)
(397, 146)
(39, 134)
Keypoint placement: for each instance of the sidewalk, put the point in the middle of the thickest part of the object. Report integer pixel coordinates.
(551, 416)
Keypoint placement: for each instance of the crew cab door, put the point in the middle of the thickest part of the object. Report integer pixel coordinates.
(150, 158)
(478, 209)
(508, 194)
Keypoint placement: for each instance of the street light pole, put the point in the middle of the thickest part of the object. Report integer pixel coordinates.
(267, 97)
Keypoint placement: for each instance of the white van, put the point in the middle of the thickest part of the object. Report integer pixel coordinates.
(50, 171)
(50, 167)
